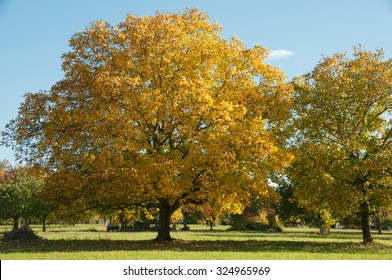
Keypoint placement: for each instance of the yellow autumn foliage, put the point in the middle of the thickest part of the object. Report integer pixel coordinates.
(158, 109)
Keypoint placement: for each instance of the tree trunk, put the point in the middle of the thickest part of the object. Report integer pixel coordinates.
(211, 224)
(122, 221)
(44, 223)
(26, 222)
(367, 236)
(185, 215)
(378, 220)
(379, 228)
(320, 222)
(164, 221)
(16, 223)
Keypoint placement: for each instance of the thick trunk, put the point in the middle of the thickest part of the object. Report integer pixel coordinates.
(164, 221)
(211, 224)
(367, 236)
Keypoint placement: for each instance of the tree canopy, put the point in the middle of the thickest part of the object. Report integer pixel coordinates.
(19, 190)
(344, 134)
(158, 110)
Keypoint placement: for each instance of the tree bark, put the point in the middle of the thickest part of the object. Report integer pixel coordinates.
(378, 220)
(44, 223)
(320, 223)
(367, 235)
(164, 221)
(16, 223)
(122, 221)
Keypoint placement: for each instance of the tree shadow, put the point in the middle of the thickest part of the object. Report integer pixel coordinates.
(42, 246)
(313, 234)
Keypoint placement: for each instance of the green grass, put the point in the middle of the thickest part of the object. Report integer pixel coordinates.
(84, 242)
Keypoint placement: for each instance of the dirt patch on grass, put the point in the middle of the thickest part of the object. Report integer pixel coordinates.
(23, 233)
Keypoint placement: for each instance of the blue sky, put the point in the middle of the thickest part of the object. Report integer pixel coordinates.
(34, 34)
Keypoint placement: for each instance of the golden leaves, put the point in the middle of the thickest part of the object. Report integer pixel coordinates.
(163, 107)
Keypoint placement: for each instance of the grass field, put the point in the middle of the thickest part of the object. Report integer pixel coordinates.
(92, 242)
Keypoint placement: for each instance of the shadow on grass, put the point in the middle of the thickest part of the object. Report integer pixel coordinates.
(310, 234)
(43, 246)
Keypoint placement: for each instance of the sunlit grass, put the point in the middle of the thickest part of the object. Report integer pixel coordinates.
(93, 242)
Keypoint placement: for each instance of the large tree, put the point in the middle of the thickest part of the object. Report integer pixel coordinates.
(158, 110)
(344, 134)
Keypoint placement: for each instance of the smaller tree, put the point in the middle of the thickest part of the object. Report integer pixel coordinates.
(325, 221)
(42, 210)
(18, 196)
(226, 205)
(288, 209)
(259, 213)
(380, 205)
(344, 134)
(209, 215)
(176, 218)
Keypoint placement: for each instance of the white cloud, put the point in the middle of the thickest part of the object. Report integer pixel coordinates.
(280, 54)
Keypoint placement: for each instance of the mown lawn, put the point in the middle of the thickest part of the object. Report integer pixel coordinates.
(86, 242)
